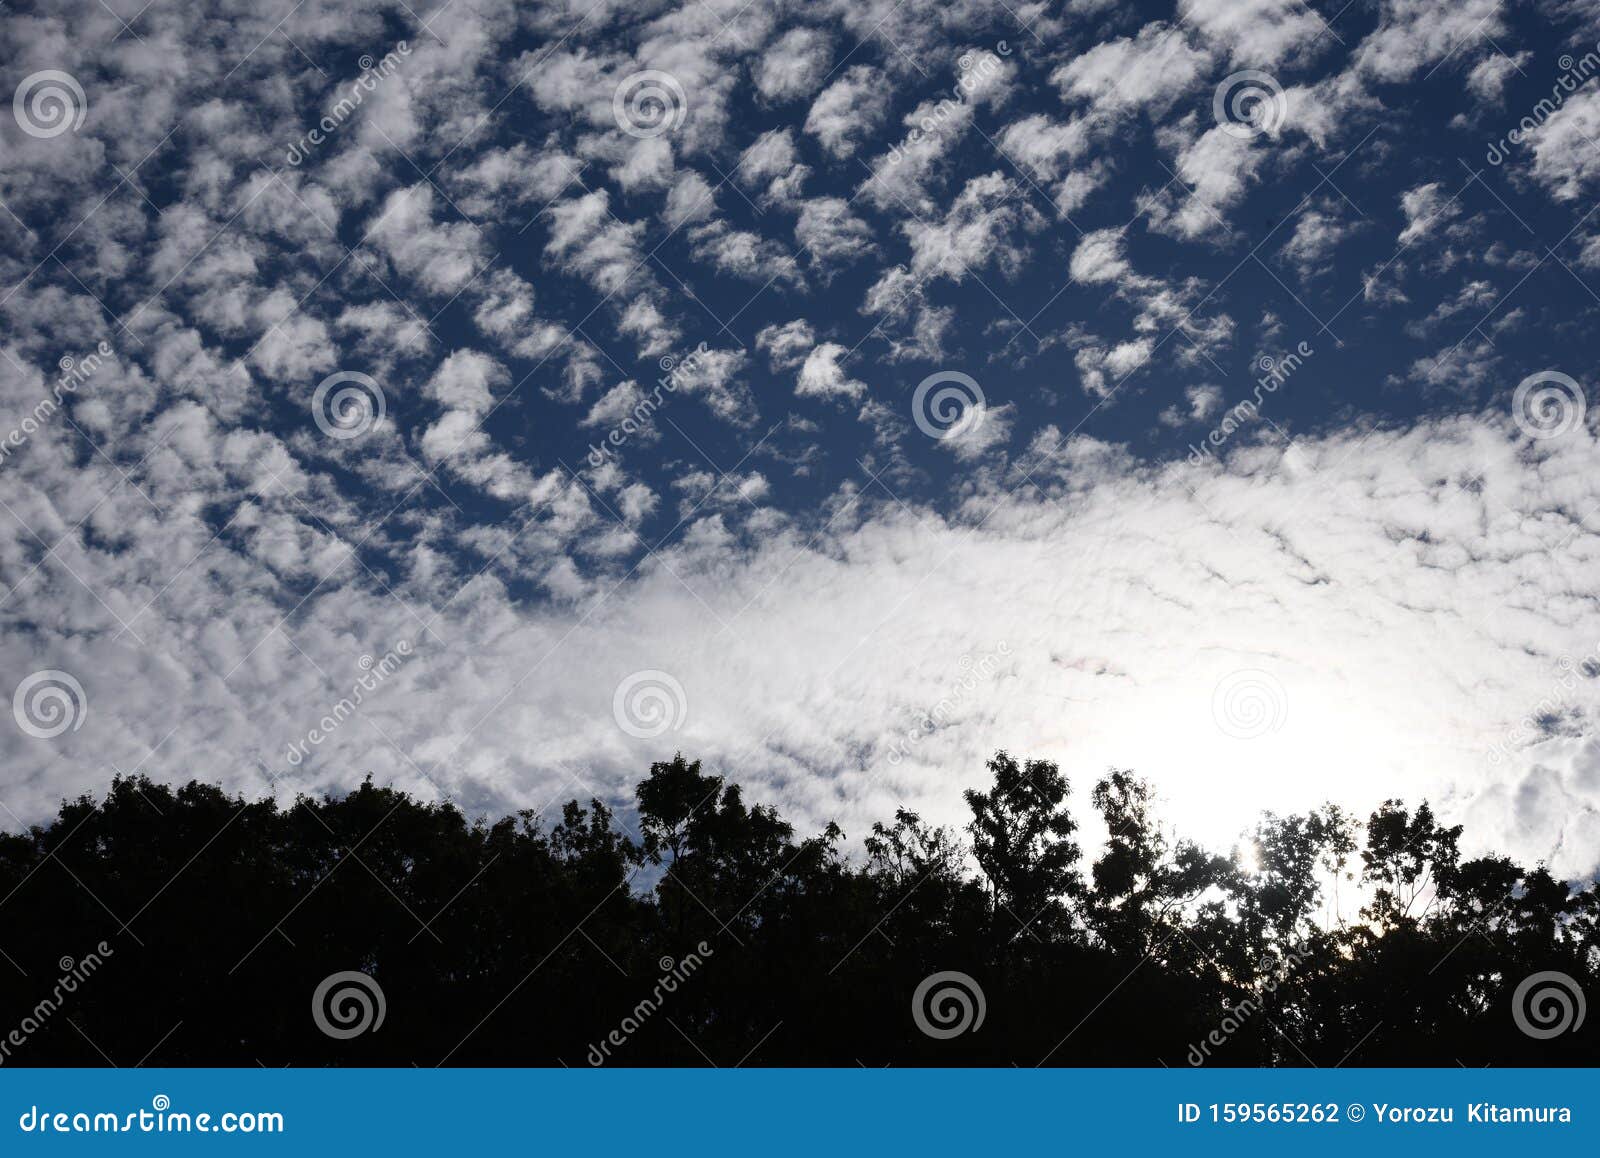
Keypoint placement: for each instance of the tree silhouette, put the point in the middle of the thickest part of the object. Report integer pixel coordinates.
(184, 926)
(1021, 839)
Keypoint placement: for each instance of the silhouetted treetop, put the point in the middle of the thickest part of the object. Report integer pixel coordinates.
(691, 926)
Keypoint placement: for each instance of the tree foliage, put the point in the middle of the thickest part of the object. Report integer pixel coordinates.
(533, 940)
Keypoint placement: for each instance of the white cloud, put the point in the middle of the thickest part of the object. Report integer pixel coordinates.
(1487, 80)
(1565, 159)
(439, 256)
(1148, 71)
(1409, 590)
(849, 110)
(1460, 368)
(831, 234)
(774, 160)
(690, 200)
(1254, 33)
(499, 179)
(1317, 233)
(1412, 587)
(1333, 106)
(646, 164)
(718, 376)
(618, 404)
(794, 65)
(985, 227)
(1102, 370)
(1048, 148)
(980, 429)
(787, 345)
(745, 254)
(1204, 401)
(1099, 258)
(823, 376)
(1415, 34)
(463, 385)
(1217, 169)
(589, 241)
(1428, 209)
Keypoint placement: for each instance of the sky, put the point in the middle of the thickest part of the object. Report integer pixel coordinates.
(494, 398)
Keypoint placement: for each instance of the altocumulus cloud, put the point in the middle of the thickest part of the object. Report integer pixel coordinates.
(1399, 603)
(327, 490)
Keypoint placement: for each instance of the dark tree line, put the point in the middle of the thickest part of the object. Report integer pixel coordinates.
(716, 935)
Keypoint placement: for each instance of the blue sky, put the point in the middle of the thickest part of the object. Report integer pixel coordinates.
(947, 301)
